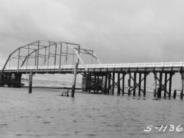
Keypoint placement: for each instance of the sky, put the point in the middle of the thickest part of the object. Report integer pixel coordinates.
(118, 30)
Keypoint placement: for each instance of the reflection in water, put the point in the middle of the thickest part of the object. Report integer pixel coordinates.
(46, 114)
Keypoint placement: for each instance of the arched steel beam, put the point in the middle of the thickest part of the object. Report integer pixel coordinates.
(73, 46)
(34, 51)
(22, 47)
(15, 52)
(77, 52)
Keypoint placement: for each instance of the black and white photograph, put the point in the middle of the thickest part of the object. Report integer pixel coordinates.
(91, 68)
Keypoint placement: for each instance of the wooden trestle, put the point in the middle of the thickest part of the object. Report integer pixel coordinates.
(130, 83)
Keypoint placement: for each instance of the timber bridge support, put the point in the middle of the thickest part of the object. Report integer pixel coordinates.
(132, 80)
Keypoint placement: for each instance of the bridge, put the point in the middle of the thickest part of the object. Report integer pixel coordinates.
(41, 57)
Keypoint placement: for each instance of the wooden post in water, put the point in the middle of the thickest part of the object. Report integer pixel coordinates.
(134, 79)
(118, 83)
(129, 83)
(174, 94)
(30, 82)
(165, 85)
(113, 82)
(144, 91)
(95, 83)
(123, 83)
(109, 83)
(182, 85)
(160, 86)
(140, 82)
(74, 79)
(181, 95)
(98, 85)
(156, 88)
(170, 84)
(105, 89)
(89, 82)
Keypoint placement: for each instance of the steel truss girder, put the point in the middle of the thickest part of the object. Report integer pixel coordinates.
(35, 49)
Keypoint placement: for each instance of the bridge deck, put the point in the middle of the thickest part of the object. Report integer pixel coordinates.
(149, 67)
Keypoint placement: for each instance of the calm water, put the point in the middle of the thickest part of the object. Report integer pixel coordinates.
(46, 114)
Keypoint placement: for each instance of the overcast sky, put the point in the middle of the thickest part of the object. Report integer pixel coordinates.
(118, 30)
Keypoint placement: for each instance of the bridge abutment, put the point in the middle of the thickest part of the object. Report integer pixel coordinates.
(10, 79)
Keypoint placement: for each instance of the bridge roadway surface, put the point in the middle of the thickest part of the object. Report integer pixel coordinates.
(119, 67)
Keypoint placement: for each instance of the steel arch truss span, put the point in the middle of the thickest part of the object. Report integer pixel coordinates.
(48, 54)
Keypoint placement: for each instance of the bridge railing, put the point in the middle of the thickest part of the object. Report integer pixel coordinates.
(118, 65)
(135, 65)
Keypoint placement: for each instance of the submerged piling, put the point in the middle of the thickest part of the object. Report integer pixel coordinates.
(181, 95)
(174, 94)
(159, 93)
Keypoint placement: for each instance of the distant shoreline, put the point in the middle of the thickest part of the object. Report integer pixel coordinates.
(52, 87)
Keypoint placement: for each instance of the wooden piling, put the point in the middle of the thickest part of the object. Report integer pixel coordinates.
(160, 86)
(181, 95)
(113, 82)
(89, 82)
(144, 91)
(118, 84)
(129, 84)
(95, 83)
(155, 92)
(159, 93)
(170, 84)
(156, 89)
(74, 80)
(30, 82)
(140, 82)
(105, 87)
(109, 82)
(165, 85)
(174, 94)
(182, 85)
(135, 78)
(123, 83)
